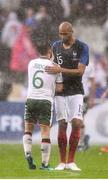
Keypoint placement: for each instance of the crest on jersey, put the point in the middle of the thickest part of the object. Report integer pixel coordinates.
(75, 58)
(74, 54)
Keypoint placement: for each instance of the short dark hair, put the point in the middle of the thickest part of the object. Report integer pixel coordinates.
(43, 48)
(41, 41)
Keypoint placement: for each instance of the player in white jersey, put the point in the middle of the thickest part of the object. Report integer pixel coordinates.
(88, 81)
(41, 84)
(38, 107)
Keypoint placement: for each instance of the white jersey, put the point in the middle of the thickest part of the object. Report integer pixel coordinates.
(89, 73)
(41, 85)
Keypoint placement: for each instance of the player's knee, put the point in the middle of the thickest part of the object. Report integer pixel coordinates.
(77, 123)
(62, 125)
(45, 131)
(29, 127)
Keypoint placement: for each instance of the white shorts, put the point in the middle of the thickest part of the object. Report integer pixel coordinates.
(69, 107)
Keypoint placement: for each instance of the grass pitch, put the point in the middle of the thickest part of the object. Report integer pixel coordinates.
(13, 164)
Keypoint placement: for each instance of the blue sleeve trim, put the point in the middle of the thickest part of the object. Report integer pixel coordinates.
(56, 43)
(85, 55)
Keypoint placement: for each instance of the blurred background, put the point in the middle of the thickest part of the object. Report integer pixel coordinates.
(18, 18)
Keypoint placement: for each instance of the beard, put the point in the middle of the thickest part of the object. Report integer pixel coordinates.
(65, 41)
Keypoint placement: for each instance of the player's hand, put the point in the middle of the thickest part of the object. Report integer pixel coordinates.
(53, 69)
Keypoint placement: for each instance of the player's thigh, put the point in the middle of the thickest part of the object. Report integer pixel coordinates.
(60, 108)
(75, 106)
(29, 112)
(40, 110)
(46, 113)
(29, 120)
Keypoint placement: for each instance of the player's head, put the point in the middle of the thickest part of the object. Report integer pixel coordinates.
(41, 42)
(65, 31)
(44, 48)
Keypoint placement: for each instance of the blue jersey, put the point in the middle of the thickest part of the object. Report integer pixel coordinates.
(70, 58)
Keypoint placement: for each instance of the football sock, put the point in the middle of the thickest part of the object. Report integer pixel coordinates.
(62, 144)
(73, 142)
(27, 143)
(45, 150)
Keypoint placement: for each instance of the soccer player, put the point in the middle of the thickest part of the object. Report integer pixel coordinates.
(72, 55)
(88, 81)
(38, 107)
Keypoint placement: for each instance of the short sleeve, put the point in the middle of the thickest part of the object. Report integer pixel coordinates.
(85, 55)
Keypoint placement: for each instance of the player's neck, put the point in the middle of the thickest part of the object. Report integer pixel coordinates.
(45, 57)
(69, 44)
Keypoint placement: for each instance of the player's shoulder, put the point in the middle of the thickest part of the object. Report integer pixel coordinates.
(81, 43)
(33, 61)
(57, 43)
(54, 63)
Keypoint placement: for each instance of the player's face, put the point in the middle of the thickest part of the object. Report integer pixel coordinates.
(65, 32)
(65, 36)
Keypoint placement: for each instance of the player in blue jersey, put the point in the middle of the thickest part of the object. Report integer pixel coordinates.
(73, 56)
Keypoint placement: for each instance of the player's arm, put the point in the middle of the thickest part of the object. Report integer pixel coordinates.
(54, 53)
(84, 60)
(59, 87)
(74, 72)
(59, 82)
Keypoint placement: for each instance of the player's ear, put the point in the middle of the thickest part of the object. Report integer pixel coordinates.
(52, 56)
(51, 53)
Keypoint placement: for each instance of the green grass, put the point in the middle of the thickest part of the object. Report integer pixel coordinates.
(13, 164)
